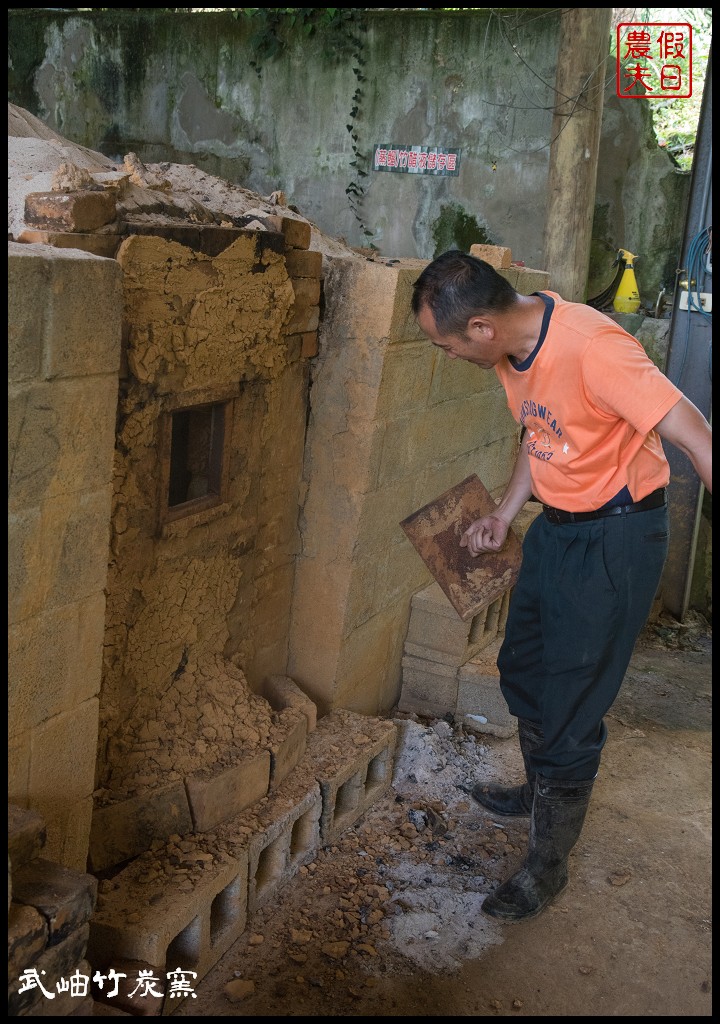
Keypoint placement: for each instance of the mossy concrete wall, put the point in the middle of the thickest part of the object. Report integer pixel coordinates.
(195, 88)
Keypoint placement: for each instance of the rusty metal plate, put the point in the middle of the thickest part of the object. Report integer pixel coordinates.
(470, 584)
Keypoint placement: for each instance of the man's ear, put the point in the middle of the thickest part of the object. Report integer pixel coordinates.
(480, 326)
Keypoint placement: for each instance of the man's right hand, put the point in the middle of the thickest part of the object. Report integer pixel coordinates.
(486, 534)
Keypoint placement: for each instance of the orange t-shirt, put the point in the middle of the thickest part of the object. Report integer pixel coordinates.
(589, 397)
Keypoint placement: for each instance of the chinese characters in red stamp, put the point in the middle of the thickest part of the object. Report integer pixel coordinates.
(654, 60)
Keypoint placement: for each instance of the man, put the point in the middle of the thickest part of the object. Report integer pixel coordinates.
(593, 408)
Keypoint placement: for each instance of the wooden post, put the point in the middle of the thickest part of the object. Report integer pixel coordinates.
(582, 70)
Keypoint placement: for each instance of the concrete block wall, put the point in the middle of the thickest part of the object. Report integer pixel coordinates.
(393, 424)
(49, 910)
(180, 905)
(64, 336)
(449, 665)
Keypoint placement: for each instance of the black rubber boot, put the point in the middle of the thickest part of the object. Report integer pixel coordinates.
(514, 801)
(557, 819)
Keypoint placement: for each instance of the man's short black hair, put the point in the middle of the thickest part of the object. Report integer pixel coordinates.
(456, 287)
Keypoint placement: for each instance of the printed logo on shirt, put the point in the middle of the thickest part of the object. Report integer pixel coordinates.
(543, 435)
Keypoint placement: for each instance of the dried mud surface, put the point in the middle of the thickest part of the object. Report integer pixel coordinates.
(387, 921)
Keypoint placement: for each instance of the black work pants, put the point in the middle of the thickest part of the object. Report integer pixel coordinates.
(583, 595)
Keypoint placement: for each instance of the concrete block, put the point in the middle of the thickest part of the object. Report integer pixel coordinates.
(130, 988)
(68, 538)
(216, 796)
(351, 757)
(124, 830)
(427, 628)
(68, 827)
(65, 898)
(426, 691)
(84, 210)
(498, 256)
(26, 835)
(173, 917)
(479, 695)
(284, 834)
(429, 654)
(433, 599)
(435, 626)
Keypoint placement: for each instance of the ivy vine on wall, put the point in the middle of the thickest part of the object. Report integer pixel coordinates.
(342, 33)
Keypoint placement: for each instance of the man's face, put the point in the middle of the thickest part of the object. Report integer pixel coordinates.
(474, 346)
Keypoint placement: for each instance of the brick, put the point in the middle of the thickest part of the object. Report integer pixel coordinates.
(310, 346)
(85, 314)
(72, 211)
(65, 898)
(55, 964)
(283, 692)
(215, 797)
(307, 291)
(297, 233)
(303, 318)
(28, 274)
(124, 830)
(99, 245)
(303, 263)
(69, 416)
(288, 739)
(26, 835)
(27, 937)
(498, 256)
(529, 281)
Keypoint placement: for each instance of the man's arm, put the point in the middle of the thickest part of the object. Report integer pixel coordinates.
(687, 429)
(489, 533)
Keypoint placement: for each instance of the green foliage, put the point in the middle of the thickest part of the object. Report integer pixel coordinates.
(276, 28)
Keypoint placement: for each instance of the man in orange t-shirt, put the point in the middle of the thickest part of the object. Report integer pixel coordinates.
(593, 408)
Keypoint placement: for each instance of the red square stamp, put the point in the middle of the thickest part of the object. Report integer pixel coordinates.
(654, 60)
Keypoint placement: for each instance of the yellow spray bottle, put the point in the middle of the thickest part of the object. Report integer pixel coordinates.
(627, 297)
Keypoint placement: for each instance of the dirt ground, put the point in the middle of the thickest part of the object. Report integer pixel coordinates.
(387, 922)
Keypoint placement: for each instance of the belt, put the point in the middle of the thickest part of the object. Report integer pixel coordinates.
(655, 500)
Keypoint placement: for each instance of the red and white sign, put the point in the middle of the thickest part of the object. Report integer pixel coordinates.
(654, 60)
(416, 159)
